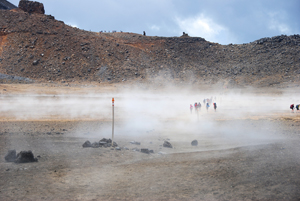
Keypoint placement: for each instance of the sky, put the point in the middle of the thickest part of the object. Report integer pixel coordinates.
(218, 21)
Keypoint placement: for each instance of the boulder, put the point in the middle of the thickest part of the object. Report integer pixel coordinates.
(25, 157)
(87, 144)
(134, 142)
(115, 144)
(105, 140)
(96, 145)
(146, 151)
(103, 144)
(167, 144)
(11, 156)
(107, 143)
(194, 143)
(31, 7)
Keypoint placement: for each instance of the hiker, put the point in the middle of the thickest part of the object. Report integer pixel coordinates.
(191, 108)
(196, 107)
(292, 107)
(215, 106)
(204, 101)
(207, 106)
(297, 107)
(199, 106)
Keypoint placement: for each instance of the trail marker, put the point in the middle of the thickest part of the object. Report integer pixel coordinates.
(113, 121)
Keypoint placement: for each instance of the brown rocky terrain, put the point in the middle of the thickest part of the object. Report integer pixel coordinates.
(40, 48)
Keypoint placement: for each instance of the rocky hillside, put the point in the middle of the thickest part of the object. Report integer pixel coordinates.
(37, 48)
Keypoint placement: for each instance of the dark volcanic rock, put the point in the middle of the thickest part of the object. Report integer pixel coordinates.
(115, 144)
(107, 143)
(146, 151)
(87, 144)
(95, 145)
(25, 157)
(194, 143)
(167, 144)
(32, 7)
(105, 140)
(11, 156)
(103, 144)
(134, 142)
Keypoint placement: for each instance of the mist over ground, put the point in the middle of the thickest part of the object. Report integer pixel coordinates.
(164, 114)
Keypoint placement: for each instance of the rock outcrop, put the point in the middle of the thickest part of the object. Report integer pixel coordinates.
(31, 7)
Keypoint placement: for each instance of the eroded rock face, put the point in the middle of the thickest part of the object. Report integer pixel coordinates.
(32, 7)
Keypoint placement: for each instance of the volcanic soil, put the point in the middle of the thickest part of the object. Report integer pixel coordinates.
(254, 156)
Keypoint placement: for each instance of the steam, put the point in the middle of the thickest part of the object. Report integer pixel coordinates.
(165, 114)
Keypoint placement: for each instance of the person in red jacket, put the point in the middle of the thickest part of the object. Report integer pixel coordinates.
(292, 107)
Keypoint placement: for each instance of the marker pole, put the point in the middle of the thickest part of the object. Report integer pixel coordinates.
(113, 121)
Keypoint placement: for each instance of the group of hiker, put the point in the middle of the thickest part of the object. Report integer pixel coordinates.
(292, 107)
(207, 102)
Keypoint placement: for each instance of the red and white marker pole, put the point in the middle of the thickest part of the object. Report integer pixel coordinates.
(113, 121)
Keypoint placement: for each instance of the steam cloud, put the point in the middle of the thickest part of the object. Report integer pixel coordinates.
(139, 113)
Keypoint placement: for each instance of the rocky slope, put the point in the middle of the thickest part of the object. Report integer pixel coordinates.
(42, 49)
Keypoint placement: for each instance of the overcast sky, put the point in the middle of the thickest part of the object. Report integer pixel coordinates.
(220, 21)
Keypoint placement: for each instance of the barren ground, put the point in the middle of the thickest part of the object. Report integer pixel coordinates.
(259, 161)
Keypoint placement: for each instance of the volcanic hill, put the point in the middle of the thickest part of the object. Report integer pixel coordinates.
(36, 47)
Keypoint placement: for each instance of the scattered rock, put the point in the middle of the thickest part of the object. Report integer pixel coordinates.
(136, 143)
(35, 62)
(103, 144)
(87, 144)
(107, 143)
(118, 148)
(167, 144)
(11, 156)
(135, 149)
(105, 140)
(146, 151)
(96, 145)
(25, 157)
(194, 143)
